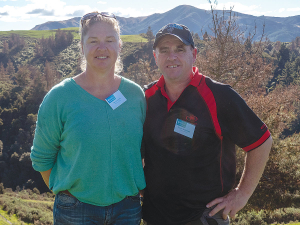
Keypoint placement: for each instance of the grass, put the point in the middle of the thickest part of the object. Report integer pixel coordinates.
(12, 218)
(26, 207)
(296, 223)
(29, 33)
(133, 38)
(74, 30)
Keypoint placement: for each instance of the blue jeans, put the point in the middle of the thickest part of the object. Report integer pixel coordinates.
(68, 210)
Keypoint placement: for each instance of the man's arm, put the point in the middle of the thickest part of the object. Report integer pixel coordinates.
(255, 162)
(46, 176)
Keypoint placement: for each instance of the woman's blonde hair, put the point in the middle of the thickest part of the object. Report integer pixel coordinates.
(84, 28)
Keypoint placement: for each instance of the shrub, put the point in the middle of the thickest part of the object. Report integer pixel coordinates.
(2, 189)
(36, 191)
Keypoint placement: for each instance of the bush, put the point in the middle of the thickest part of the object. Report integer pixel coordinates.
(36, 191)
(2, 189)
(264, 217)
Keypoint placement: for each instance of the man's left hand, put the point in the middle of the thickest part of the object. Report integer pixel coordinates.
(231, 203)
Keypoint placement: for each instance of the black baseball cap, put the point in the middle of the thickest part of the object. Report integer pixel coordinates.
(180, 31)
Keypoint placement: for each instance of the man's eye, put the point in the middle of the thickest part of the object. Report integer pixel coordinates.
(180, 49)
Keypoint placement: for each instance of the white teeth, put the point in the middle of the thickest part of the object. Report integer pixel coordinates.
(101, 57)
(172, 66)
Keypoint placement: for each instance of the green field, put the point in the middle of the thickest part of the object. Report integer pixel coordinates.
(74, 30)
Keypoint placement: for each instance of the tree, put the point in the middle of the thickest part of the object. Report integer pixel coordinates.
(142, 73)
(22, 77)
(149, 35)
(51, 75)
(228, 57)
(5, 49)
(10, 69)
(70, 38)
(234, 58)
(205, 36)
(2, 72)
(283, 56)
(196, 36)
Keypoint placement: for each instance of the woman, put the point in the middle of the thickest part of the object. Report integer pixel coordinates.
(88, 135)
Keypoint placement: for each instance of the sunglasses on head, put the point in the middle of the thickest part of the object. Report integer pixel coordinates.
(94, 14)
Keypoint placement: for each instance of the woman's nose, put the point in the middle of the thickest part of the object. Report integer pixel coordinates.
(101, 46)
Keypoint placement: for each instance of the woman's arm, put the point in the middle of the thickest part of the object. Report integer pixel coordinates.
(46, 176)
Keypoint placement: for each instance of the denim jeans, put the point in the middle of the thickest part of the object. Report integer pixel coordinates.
(68, 210)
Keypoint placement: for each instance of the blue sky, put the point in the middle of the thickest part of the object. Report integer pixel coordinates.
(25, 14)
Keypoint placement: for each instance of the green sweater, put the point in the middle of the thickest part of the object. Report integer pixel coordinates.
(93, 150)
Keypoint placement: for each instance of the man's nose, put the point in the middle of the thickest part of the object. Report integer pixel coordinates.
(172, 56)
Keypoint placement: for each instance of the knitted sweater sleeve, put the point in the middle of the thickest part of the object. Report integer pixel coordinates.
(46, 143)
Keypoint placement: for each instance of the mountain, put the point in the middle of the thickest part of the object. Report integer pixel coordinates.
(51, 25)
(283, 29)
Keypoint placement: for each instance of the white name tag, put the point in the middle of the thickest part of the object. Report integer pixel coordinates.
(184, 128)
(116, 99)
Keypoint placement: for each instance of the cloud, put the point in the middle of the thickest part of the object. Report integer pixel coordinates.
(4, 14)
(53, 10)
(43, 12)
(293, 9)
(100, 2)
(281, 10)
(36, 11)
(131, 12)
(76, 13)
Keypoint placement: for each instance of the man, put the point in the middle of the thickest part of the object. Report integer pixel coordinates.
(192, 126)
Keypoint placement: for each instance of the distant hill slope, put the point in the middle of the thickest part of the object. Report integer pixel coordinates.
(283, 29)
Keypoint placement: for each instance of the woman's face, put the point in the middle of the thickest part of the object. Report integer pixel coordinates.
(101, 47)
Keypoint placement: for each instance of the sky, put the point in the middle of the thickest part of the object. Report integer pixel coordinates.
(25, 14)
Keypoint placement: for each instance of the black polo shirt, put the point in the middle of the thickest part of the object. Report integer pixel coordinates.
(190, 147)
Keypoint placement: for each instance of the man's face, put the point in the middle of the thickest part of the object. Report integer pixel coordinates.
(174, 59)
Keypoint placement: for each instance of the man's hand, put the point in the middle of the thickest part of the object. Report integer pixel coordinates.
(231, 203)
(235, 200)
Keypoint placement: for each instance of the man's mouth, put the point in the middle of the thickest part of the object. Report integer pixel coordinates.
(102, 57)
(173, 66)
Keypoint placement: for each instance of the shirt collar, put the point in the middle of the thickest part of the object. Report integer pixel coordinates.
(195, 80)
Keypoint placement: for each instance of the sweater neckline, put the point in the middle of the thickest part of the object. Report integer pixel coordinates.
(120, 88)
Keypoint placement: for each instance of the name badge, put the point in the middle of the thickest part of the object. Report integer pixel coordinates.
(116, 99)
(184, 128)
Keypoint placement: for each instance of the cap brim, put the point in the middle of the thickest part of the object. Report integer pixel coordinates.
(160, 37)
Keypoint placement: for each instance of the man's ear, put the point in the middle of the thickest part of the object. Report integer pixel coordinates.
(155, 56)
(194, 54)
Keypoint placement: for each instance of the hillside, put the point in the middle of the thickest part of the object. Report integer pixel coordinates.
(266, 74)
(198, 20)
(31, 207)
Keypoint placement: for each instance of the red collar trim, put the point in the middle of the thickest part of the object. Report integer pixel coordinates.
(195, 80)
